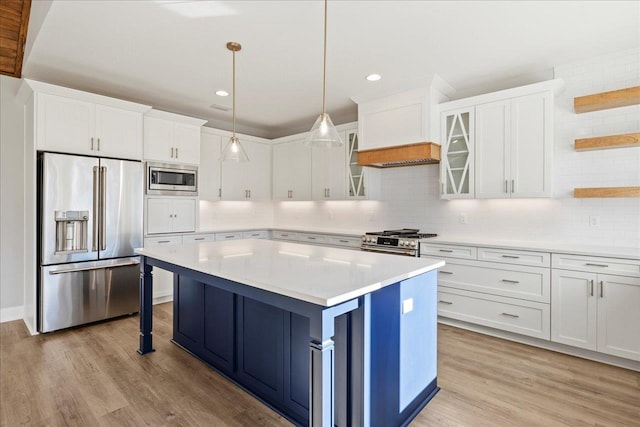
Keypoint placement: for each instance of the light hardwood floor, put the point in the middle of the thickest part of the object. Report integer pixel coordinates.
(92, 376)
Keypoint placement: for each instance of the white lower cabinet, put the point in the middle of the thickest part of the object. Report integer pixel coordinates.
(162, 279)
(171, 215)
(284, 235)
(598, 312)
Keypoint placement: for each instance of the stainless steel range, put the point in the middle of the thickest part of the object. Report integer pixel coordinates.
(401, 242)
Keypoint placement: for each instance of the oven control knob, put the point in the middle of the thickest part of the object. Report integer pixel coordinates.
(364, 238)
(402, 243)
(413, 244)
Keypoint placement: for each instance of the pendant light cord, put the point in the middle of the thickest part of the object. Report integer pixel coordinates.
(324, 66)
(234, 94)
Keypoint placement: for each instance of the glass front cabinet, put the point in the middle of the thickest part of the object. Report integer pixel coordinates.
(355, 175)
(457, 164)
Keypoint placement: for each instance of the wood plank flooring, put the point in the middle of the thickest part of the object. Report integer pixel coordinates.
(92, 376)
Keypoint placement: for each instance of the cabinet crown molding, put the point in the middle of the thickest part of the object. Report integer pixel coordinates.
(159, 114)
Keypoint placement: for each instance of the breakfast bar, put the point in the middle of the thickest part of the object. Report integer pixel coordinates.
(324, 336)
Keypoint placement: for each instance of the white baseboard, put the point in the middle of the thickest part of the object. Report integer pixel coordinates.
(548, 345)
(11, 313)
(162, 297)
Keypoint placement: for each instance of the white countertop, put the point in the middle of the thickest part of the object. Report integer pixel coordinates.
(544, 246)
(320, 275)
(321, 230)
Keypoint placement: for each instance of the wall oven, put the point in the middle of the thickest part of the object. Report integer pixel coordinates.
(172, 180)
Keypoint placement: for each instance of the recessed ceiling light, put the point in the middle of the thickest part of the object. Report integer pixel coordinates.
(373, 77)
(222, 93)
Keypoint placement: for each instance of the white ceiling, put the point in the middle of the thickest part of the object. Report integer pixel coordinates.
(172, 54)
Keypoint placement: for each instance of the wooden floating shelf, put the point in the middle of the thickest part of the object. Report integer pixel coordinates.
(605, 142)
(606, 192)
(606, 100)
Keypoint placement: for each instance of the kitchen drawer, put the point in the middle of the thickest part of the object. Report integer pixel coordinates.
(528, 283)
(352, 242)
(195, 238)
(167, 240)
(228, 236)
(255, 234)
(521, 317)
(284, 235)
(317, 239)
(453, 251)
(619, 266)
(508, 256)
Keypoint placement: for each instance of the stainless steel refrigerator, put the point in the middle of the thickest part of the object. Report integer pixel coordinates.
(89, 222)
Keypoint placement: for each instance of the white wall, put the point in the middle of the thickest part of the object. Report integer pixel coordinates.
(12, 222)
(410, 194)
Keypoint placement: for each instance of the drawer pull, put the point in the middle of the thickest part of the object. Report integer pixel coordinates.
(164, 241)
(199, 238)
(446, 250)
(229, 237)
(255, 234)
(511, 256)
(343, 241)
(445, 302)
(514, 316)
(445, 272)
(510, 281)
(311, 238)
(590, 264)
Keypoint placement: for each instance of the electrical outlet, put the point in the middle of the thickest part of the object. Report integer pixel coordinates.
(463, 218)
(407, 306)
(594, 221)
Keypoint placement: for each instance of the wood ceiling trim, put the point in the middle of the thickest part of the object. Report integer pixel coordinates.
(14, 23)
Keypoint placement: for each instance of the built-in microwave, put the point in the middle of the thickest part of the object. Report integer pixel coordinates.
(171, 179)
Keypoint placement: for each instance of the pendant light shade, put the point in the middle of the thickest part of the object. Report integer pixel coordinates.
(233, 151)
(324, 133)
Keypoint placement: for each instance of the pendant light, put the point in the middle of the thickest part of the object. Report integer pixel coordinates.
(324, 133)
(234, 152)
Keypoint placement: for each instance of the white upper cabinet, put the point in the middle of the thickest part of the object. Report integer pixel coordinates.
(209, 172)
(171, 137)
(457, 172)
(291, 166)
(248, 180)
(514, 147)
(328, 173)
(72, 121)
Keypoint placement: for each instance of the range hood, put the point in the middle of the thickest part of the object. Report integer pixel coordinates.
(421, 153)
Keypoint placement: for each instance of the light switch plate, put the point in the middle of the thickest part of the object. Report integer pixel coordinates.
(407, 306)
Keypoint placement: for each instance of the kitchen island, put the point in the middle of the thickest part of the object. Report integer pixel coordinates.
(325, 336)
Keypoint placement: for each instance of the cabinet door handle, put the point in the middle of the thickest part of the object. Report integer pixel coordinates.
(91, 143)
(601, 288)
(506, 186)
(445, 272)
(249, 193)
(219, 192)
(513, 185)
(511, 256)
(446, 250)
(514, 316)
(98, 144)
(445, 302)
(590, 264)
(591, 287)
(172, 152)
(510, 281)
(176, 152)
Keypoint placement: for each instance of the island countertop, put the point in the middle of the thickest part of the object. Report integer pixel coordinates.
(320, 275)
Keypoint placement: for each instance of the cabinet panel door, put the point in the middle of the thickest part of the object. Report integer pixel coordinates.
(184, 215)
(457, 171)
(291, 171)
(188, 312)
(119, 132)
(159, 216)
(531, 147)
(492, 150)
(186, 141)
(219, 327)
(573, 308)
(209, 170)
(328, 173)
(619, 316)
(261, 343)
(296, 386)
(259, 170)
(158, 137)
(234, 177)
(65, 124)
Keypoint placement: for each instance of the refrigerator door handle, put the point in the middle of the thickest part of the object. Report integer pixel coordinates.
(103, 208)
(94, 240)
(93, 267)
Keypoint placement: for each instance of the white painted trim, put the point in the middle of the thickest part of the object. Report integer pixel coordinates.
(162, 299)
(10, 314)
(548, 345)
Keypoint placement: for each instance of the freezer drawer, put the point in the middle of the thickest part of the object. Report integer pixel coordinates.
(74, 294)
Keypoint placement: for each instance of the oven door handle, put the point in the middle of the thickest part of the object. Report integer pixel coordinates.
(388, 250)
